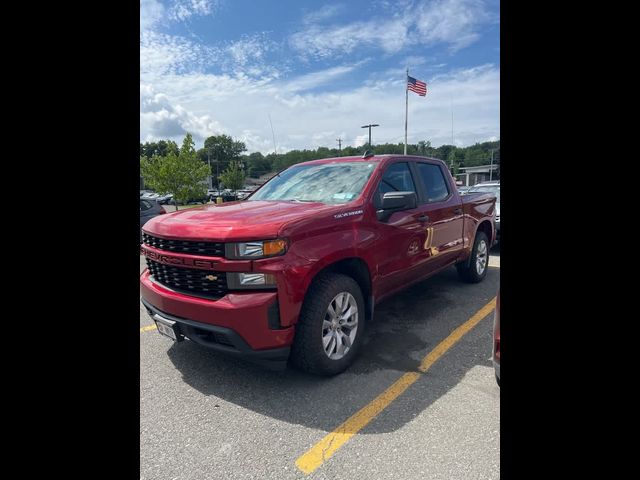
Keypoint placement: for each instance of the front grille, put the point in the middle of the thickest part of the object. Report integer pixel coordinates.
(207, 249)
(188, 280)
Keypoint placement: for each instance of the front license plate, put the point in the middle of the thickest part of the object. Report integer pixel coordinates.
(166, 328)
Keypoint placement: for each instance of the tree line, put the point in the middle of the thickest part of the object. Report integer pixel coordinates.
(224, 159)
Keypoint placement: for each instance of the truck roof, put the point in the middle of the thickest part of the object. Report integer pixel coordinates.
(373, 158)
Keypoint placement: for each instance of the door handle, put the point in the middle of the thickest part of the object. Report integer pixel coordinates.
(457, 211)
(423, 218)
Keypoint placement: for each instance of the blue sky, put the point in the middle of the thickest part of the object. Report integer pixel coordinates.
(319, 70)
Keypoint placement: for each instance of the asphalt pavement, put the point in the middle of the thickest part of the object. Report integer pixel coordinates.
(205, 416)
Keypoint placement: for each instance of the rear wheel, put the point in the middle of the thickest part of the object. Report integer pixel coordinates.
(476, 269)
(331, 326)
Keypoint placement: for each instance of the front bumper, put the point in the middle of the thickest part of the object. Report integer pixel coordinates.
(246, 320)
(222, 339)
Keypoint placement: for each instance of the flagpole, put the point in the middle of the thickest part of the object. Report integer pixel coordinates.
(406, 110)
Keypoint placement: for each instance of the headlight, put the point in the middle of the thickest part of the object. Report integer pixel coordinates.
(237, 281)
(255, 250)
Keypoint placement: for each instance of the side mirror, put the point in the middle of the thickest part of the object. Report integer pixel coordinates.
(395, 202)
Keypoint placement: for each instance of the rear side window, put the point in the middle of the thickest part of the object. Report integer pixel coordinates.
(433, 181)
(144, 205)
(397, 178)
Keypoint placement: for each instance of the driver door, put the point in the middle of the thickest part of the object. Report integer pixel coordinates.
(399, 248)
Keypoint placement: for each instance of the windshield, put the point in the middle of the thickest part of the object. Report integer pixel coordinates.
(487, 189)
(332, 183)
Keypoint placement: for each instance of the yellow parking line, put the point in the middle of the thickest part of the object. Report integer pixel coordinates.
(325, 448)
(148, 328)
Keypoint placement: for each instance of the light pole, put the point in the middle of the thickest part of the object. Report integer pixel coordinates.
(369, 127)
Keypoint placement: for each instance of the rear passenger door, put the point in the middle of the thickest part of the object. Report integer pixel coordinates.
(444, 214)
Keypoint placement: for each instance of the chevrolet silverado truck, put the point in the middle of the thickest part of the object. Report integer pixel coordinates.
(294, 271)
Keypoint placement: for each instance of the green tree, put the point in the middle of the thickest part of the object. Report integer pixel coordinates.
(451, 161)
(180, 174)
(220, 150)
(233, 176)
(256, 164)
(161, 148)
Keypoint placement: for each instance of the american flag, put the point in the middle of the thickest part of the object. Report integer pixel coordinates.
(416, 86)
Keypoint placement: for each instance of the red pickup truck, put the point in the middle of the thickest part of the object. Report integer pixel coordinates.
(293, 272)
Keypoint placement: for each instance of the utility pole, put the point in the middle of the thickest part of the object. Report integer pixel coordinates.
(369, 127)
(339, 140)
(491, 168)
(210, 167)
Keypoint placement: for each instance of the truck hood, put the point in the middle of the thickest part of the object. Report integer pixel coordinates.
(234, 220)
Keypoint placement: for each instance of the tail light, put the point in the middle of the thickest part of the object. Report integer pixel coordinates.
(162, 210)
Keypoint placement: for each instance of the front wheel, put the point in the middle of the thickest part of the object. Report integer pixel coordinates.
(476, 269)
(331, 326)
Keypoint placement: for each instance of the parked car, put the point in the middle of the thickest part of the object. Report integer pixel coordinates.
(294, 271)
(496, 339)
(150, 196)
(148, 210)
(494, 188)
(242, 194)
(164, 199)
(204, 199)
(228, 196)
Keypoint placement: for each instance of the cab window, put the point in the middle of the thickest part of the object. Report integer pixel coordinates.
(433, 181)
(397, 178)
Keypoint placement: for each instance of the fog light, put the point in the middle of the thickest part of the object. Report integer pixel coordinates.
(250, 280)
(256, 279)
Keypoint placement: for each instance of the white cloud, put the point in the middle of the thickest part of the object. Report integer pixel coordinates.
(151, 12)
(361, 140)
(208, 103)
(183, 9)
(316, 79)
(452, 22)
(324, 13)
(249, 56)
(323, 42)
(163, 54)
(160, 119)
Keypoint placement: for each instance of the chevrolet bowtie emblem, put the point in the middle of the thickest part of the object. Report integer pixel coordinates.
(211, 277)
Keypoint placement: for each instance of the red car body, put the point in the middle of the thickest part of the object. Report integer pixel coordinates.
(384, 257)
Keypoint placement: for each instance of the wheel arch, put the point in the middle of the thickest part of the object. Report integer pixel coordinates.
(356, 268)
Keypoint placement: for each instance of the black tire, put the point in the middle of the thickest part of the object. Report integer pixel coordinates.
(468, 272)
(307, 352)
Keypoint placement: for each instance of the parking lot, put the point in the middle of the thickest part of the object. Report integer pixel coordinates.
(206, 416)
